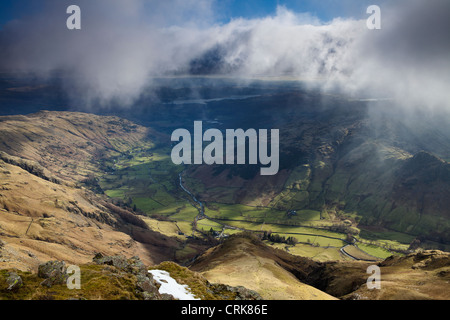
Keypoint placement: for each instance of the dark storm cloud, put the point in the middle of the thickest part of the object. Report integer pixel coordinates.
(409, 58)
(417, 31)
(121, 44)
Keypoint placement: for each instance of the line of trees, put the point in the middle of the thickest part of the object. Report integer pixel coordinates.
(279, 239)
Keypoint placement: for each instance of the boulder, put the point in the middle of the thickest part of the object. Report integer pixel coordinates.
(146, 286)
(119, 261)
(14, 281)
(54, 272)
(136, 266)
(241, 293)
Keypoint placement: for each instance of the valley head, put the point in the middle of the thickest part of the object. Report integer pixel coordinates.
(233, 151)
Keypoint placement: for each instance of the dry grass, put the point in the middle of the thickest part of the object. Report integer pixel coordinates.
(69, 144)
(97, 283)
(41, 221)
(242, 262)
(415, 277)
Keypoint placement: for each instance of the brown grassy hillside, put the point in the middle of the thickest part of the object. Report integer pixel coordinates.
(41, 220)
(275, 274)
(45, 214)
(244, 260)
(69, 144)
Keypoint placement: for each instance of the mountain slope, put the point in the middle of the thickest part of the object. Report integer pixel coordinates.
(41, 220)
(45, 213)
(276, 274)
(243, 260)
(417, 276)
(70, 145)
(343, 157)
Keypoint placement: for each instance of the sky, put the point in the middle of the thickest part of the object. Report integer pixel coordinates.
(226, 10)
(16, 9)
(325, 10)
(124, 43)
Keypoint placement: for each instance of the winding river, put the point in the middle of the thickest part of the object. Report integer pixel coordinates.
(202, 208)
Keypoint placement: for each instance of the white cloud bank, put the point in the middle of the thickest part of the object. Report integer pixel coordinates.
(123, 44)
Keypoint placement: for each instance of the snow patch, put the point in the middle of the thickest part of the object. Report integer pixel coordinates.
(170, 286)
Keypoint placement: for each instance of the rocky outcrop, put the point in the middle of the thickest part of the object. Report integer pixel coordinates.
(31, 166)
(241, 293)
(54, 272)
(146, 286)
(424, 260)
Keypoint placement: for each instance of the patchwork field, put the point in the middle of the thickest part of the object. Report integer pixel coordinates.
(148, 181)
